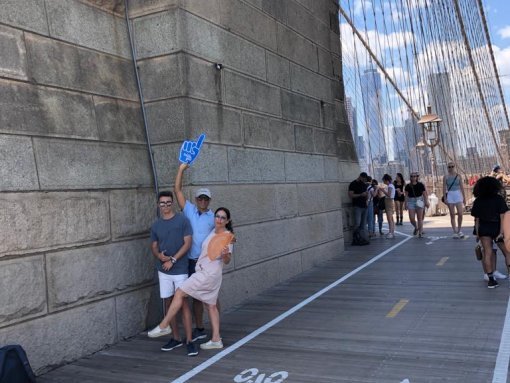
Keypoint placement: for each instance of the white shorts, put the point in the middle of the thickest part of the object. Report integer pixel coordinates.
(454, 197)
(168, 284)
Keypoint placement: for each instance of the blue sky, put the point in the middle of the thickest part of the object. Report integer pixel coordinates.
(498, 18)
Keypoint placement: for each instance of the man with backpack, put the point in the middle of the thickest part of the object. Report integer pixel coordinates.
(358, 194)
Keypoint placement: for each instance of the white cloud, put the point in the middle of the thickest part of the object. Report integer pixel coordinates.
(504, 32)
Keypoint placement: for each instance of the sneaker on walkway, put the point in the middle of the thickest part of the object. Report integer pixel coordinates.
(420, 235)
(461, 235)
(390, 236)
(455, 236)
(496, 274)
(211, 345)
(171, 345)
(492, 284)
(192, 349)
(198, 334)
(158, 331)
(415, 231)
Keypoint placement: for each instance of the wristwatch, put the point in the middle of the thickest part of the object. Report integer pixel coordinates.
(173, 260)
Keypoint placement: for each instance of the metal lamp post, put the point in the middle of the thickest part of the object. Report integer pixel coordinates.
(430, 126)
(420, 147)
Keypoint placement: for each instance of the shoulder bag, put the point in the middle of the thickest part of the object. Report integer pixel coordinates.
(443, 200)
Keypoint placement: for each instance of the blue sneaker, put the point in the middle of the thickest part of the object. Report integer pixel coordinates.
(198, 334)
(171, 345)
(192, 349)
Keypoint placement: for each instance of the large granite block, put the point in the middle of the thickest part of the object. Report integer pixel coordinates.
(132, 212)
(51, 220)
(25, 14)
(270, 239)
(286, 200)
(157, 34)
(215, 44)
(23, 289)
(66, 336)
(219, 123)
(296, 107)
(210, 167)
(331, 169)
(325, 142)
(251, 94)
(304, 139)
(247, 203)
(240, 18)
(87, 26)
(304, 167)
(131, 310)
(17, 166)
(256, 130)
(318, 197)
(282, 135)
(317, 255)
(347, 151)
(163, 77)
(297, 48)
(329, 116)
(51, 62)
(310, 83)
(37, 110)
(13, 58)
(277, 9)
(119, 121)
(247, 165)
(325, 63)
(139, 8)
(167, 120)
(278, 70)
(181, 119)
(76, 165)
(251, 281)
(80, 275)
(203, 80)
(310, 26)
(289, 266)
(209, 10)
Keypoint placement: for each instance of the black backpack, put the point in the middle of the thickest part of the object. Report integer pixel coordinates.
(14, 366)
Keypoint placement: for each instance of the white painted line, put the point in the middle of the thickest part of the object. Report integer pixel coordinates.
(501, 369)
(209, 362)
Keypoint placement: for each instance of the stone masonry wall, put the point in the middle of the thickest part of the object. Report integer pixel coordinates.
(76, 195)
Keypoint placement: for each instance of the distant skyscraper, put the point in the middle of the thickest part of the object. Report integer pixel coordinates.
(440, 98)
(400, 149)
(372, 113)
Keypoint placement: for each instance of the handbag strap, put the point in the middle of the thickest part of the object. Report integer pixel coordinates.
(456, 175)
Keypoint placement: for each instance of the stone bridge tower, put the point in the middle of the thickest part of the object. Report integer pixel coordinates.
(76, 187)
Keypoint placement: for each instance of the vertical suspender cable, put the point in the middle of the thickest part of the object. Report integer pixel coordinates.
(142, 102)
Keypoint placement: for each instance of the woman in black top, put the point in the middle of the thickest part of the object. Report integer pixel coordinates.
(416, 201)
(400, 197)
(489, 208)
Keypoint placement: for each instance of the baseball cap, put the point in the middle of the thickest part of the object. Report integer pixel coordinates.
(203, 191)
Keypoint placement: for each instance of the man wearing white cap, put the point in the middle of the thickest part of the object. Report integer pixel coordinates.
(202, 223)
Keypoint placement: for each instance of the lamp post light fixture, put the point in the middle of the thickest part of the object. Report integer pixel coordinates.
(430, 127)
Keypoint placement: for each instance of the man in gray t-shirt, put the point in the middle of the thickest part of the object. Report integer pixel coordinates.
(170, 243)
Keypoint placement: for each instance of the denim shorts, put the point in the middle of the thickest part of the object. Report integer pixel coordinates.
(411, 203)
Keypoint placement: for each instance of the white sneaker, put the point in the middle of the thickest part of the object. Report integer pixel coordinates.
(210, 345)
(460, 234)
(497, 275)
(390, 235)
(455, 236)
(157, 332)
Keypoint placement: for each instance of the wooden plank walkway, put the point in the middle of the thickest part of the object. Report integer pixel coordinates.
(420, 312)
